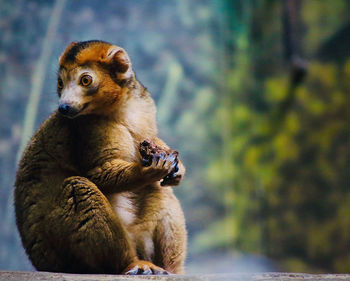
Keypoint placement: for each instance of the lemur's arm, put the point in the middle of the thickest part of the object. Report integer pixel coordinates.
(120, 175)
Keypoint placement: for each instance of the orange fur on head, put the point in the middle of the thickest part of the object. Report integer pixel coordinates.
(97, 52)
(77, 53)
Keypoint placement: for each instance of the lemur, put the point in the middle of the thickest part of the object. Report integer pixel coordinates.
(84, 200)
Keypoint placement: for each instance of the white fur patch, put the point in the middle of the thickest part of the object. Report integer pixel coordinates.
(124, 207)
(149, 246)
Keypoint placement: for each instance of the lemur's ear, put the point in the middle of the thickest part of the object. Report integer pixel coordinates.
(120, 61)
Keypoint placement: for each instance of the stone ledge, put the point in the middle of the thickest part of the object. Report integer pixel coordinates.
(48, 276)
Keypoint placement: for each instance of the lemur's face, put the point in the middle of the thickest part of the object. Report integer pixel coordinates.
(76, 88)
(92, 78)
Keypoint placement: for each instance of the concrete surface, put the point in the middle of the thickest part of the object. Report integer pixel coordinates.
(48, 276)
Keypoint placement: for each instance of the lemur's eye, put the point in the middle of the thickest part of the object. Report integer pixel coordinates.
(59, 83)
(85, 80)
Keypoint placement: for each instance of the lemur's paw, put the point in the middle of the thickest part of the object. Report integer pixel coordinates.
(144, 268)
(163, 163)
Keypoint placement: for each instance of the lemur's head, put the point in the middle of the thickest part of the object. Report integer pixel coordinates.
(92, 78)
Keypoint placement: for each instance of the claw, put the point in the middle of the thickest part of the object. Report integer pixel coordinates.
(133, 271)
(176, 169)
(144, 268)
(147, 271)
(160, 272)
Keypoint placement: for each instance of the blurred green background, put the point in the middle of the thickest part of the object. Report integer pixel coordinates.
(254, 95)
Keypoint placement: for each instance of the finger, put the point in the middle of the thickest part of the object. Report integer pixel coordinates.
(155, 160)
(171, 157)
(167, 165)
(174, 165)
(162, 159)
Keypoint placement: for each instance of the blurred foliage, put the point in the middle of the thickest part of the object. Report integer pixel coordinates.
(258, 181)
(289, 196)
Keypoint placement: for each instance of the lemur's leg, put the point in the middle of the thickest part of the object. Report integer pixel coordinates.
(170, 237)
(161, 235)
(91, 237)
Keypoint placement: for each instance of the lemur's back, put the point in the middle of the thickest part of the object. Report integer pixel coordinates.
(39, 179)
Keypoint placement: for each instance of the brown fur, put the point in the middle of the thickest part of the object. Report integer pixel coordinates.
(84, 203)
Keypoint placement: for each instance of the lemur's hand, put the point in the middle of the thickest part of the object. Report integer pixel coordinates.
(163, 163)
(176, 175)
(160, 167)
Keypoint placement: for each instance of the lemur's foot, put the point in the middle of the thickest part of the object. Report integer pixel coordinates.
(144, 268)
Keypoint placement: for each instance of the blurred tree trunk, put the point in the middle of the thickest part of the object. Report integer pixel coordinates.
(293, 53)
(168, 100)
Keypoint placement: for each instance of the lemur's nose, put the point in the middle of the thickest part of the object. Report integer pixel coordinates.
(67, 110)
(64, 108)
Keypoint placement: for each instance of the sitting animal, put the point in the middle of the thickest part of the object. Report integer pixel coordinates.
(85, 199)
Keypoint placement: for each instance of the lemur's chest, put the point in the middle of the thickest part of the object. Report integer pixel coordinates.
(125, 206)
